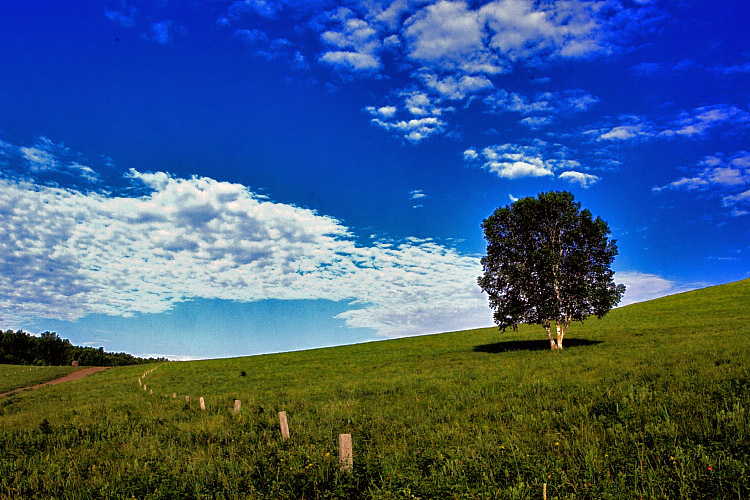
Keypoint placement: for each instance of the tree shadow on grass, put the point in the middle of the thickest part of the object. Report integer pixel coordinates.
(531, 345)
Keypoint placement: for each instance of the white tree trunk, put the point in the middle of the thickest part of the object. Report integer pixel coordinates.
(552, 343)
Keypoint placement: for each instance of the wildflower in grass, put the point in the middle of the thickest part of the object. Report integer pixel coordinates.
(709, 468)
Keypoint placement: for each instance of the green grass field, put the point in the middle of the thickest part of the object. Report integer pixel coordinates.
(15, 376)
(650, 402)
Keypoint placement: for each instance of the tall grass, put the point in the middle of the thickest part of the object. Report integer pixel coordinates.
(649, 402)
(16, 376)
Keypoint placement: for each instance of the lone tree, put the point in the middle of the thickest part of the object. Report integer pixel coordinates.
(548, 263)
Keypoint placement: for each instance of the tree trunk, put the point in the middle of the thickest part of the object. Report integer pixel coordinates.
(552, 343)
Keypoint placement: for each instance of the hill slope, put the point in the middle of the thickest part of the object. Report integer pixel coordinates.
(651, 401)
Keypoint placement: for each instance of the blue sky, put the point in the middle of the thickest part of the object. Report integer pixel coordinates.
(204, 179)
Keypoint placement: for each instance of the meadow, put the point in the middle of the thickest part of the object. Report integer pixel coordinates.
(652, 401)
(16, 376)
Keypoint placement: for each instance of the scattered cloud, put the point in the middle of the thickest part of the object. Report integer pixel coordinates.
(354, 43)
(728, 177)
(420, 116)
(263, 8)
(583, 179)
(416, 194)
(454, 88)
(125, 19)
(514, 161)
(67, 254)
(268, 48)
(540, 108)
(162, 32)
(46, 156)
(695, 123)
(700, 120)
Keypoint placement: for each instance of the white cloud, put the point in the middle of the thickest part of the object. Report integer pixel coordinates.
(540, 108)
(727, 177)
(514, 161)
(700, 120)
(454, 88)
(385, 112)
(449, 36)
(523, 29)
(640, 286)
(413, 130)
(47, 156)
(583, 179)
(416, 194)
(356, 44)
(65, 254)
(695, 123)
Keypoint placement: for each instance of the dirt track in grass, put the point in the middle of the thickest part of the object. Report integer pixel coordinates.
(70, 377)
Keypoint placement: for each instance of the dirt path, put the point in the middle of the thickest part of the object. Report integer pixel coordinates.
(67, 378)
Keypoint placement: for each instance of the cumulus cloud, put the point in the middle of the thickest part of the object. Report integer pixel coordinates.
(583, 179)
(65, 254)
(455, 88)
(354, 43)
(422, 116)
(414, 130)
(514, 161)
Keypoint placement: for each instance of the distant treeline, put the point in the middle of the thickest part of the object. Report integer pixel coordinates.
(21, 348)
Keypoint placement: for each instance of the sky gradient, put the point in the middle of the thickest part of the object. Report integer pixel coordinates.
(224, 178)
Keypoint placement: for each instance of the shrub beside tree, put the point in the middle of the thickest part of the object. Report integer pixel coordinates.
(548, 263)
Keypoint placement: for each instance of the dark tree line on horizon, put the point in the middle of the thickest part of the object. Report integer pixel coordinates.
(21, 348)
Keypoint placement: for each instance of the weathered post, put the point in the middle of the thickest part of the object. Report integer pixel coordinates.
(346, 458)
(544, 492)
(187, 399)
(237, 405)
(203, 403)
(283, 425)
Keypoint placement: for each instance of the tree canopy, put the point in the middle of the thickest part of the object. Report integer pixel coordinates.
(21, 348)
(548, 262)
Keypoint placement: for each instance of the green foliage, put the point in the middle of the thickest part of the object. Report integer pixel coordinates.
(21, 348)
(665, 414)
(548, 262)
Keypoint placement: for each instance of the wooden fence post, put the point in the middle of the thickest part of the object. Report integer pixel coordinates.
(237, 405)
(283, 424)
(544, 492)
(187, 399)
(203, 403)
(144, 387)
(346, 458)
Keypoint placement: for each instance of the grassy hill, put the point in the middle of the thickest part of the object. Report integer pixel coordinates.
(650, 402)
